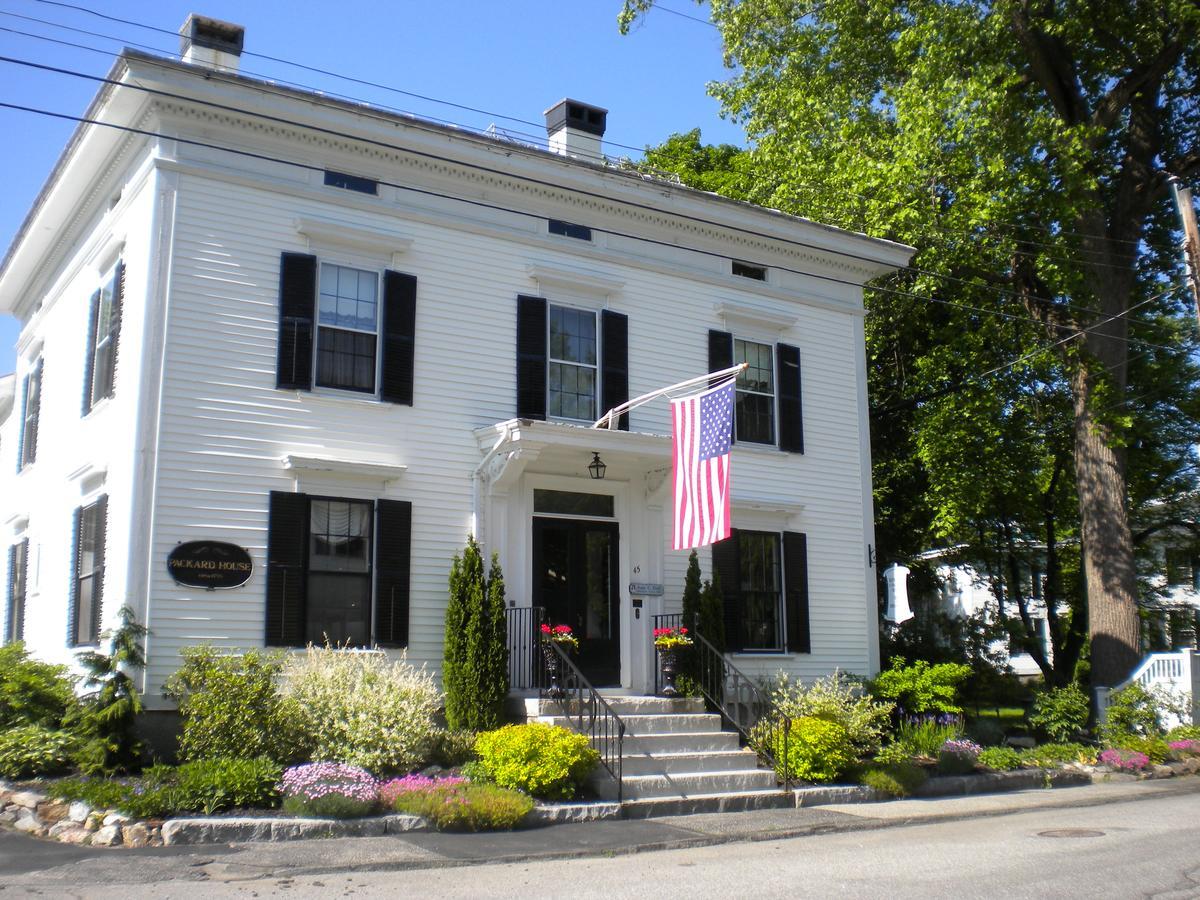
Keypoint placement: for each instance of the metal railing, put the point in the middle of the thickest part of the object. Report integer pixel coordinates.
(526, 669)
(736, 696)
(589, 712)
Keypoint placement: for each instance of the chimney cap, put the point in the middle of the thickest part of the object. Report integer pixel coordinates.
(204, 31)
(567, 113)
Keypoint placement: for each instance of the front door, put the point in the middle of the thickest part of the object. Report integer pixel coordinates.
(575, 581)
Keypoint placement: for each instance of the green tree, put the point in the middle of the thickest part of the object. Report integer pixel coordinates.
(711, 616)
(1024, 149)
(475, 654)
(108, 717)
(691, 593)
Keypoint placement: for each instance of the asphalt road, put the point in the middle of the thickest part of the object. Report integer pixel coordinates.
(1132, 845)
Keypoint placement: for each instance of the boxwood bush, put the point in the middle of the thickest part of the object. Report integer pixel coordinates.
(543, 760)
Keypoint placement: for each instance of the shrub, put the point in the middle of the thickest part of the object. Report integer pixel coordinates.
(1131, 710)
(921, 689)
(895, 779)
(837, 698)
(231, 707)
(466, 807)
(1184, 749)
(98, 793)
(1154, 747)
(32, 692)
(986, 731)
(1051, 756)
(925, 736)
(329, 790)
(1002, 759)
(28, 750)
(1061, 713)
(475, 659)
(107, 718)
(815, 750)
(389, 791)
(451, 749)
(543, 760)
(1184, 733)
(362, 708)
(958, 757)
(1125, 760)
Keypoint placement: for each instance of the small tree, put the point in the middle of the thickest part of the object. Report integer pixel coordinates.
(711, 619)
(107, 717)
(490, 655)
(691, 593)
(475, 658)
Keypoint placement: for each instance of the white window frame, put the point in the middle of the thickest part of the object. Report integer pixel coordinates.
(109, 286)
(551, 360)
(318, 326)
(773, 396)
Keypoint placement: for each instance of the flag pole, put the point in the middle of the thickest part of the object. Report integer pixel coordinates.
(609, 419)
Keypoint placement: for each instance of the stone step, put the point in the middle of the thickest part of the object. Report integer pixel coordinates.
(688, 784)
(671, 763)
(654, 807)
(621, 704)
(687, 742)
(684, 723)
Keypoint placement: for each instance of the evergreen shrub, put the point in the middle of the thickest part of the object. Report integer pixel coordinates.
(543, 760)
(107, 718)
(475, 652)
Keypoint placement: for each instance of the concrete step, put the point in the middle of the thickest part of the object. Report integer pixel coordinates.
(688, 784)
(654, 807)
(683, 723)
(686, 742)
(621, 704)
(672, 763)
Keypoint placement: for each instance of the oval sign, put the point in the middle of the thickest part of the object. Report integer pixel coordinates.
(210, 564)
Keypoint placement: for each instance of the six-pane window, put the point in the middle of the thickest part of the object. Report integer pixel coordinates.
(572, 375)
(755, 392)
(339, 572)
(33, 408)
(759, 561)
(347, 318)
(89, 573)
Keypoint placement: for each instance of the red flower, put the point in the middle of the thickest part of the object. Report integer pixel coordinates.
(545, 629)
(562, 629)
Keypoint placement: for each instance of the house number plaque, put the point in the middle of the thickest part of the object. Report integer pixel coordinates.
(645, 589)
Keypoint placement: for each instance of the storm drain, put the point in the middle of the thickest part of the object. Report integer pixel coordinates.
(1071, 833)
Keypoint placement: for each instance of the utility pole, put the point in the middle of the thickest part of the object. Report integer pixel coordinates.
(1191, 239)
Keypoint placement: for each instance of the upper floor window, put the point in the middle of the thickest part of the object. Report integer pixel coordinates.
(571, 230)
(755, 392)
(31, 412)
(572, 361)
(351, 182)
(104, 328)
(347, 332)
(749, 270)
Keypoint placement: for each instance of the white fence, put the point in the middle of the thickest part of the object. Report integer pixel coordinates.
(1173, 675)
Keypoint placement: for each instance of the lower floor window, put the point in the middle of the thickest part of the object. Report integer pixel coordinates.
(339, 572)
(18, 568)
(759, 562)
(89, 573)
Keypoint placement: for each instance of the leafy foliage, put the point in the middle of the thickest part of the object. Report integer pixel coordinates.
(32, 692)
(921, 689)
(1132, 711)
(1002, 759)
(28, 750)
(108, 716)
(837, 698)
(925, 735)
(361, 708)
(1061, 713)
(895, 779)
(711, 623)
(1051, 756)
(451, 749)
(475, 654)
(543, 760)
(466, 807)
(231, 706)
(957, 757)
(815, 750)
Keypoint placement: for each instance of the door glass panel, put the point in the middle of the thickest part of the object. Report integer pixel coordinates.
(571, 503)
(598, 615)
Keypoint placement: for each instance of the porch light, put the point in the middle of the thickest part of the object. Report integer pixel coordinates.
(596, 467)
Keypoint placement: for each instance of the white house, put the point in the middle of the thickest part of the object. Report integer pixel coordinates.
(341, 340)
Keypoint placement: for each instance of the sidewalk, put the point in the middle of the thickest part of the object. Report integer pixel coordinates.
(41, 864)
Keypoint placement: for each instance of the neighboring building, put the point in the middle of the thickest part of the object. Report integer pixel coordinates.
(1171, 595)
(362, 336)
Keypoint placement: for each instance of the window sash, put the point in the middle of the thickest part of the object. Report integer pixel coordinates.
(103, 358)
(572, 360)
(755, 392)
(33, 406)
(17, 590)
(89, 576)
(339, 603)
(347, 344)
(760, 564)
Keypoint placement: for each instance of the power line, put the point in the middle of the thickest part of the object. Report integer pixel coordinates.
(502, 173)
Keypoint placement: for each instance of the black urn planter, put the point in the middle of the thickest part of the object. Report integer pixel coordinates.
(555, 690)
(670, 668)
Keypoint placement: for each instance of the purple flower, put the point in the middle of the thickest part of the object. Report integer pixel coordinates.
(962, 748)
(1125, 760)
(324, 779)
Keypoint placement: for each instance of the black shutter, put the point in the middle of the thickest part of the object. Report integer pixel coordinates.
(791, 408)
(795, 578)
(399, 337)
(114, 327)
(720, 356)
(393, 540)
(11, 628)
(297, 306)
(100, 517)
(73, 592)
(21, 423)
(89, 361)
(287, 548)
(727, 568)
(614, 363)
(531, 357)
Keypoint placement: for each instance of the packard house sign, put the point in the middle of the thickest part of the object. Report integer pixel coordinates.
(210, 564)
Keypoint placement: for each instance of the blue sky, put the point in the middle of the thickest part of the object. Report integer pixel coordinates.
(513, 59)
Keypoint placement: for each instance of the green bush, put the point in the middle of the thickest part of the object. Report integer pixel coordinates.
(98, 793)
(1184, 733)
(925, 737)
(1002, 759)
(452, 749)
(231, 707)
(107, 719)
(467, 807)
(543, 760)
(815, 750)
(841, 699)
(362, 708)
(475, 656)
(1155, 747)
(895, 779)
(921, 689)
(28, 750)
(1051, 756)
(1061, 713)
(1131, 710)
(32, 692)
(986, 731)
(332, 806)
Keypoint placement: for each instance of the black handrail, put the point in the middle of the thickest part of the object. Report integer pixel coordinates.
(739, 699)
(526, 669)
(592, 714)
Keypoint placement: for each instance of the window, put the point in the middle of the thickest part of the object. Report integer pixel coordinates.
(351, 182)
(103, 332)
(567, 229)
(88, 587)
(570, 503)
(27, 451)
(749, 270)
(572, 372)
(339, 572)
(1182, 570)
(761, 589)
(755, 392)
(18, 571)
(347, 332)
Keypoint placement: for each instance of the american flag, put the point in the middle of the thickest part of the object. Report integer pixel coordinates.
(700, 438)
